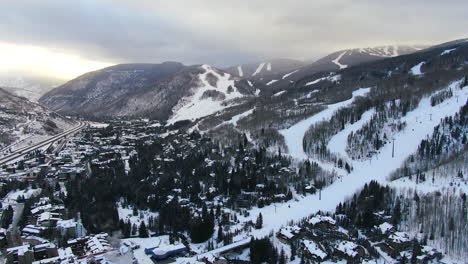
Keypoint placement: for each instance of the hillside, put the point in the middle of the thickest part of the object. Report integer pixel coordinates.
(159, 91)
(23, 120)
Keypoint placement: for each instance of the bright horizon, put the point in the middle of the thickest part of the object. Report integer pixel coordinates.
(37, 37)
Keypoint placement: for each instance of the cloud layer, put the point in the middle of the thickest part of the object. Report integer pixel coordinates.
(222, 32)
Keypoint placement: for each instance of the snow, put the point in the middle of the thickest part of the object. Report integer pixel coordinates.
(162, 242)
(126, 214)
(269, 67)
(339, 141)
(194, 107)
(271, 82)
(238, 117)
(319, 219)
(278, 93)
(337, 61)
(395, 50)
(334, 78)
(378, 168)
(293, 136)
(348, 247)
(385, 227)
(239, 69)
(399, 237)
(288, 74)
(28, 193)
(259, 69)
(445, 52)
(416, 70)
(250, 83)
(314, 249)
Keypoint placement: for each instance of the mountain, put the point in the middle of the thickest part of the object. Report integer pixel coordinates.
(28, 85)
(266, 68)
(337, 61)
(22, 119)
(168, 90)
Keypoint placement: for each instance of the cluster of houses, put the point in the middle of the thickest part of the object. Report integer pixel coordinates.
(320, 239)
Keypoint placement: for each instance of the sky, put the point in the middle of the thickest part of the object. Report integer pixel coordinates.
(64, 39)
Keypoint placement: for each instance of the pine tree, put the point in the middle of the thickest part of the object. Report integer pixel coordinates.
(259, 222)
(143, 230)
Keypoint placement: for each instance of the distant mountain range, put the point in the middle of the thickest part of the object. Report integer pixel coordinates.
(172, 91)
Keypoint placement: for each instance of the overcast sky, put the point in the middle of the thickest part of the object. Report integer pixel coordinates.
(65, 38)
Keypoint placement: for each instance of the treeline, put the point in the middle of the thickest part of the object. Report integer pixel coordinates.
(448, 140)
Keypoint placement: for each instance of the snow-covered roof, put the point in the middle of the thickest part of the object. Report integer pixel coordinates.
(348, 247)
(385, 227)
(314, 249)
(320, 218)
(399, 237)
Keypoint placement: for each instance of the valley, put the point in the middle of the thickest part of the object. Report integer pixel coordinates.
(355, 158)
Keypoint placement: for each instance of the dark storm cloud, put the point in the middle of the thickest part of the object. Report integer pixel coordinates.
(225, 32)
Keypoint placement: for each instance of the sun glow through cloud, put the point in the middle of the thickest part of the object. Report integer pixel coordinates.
(43, 61)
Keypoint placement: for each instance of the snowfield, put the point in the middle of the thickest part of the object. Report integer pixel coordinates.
(194, 107)
(416, 70)
(337, 61)
(259, 69)
(293, 136)
(288, 74)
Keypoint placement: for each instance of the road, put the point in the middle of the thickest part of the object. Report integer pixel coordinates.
(23, 151)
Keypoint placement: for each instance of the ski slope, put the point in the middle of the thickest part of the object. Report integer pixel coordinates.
(294, 135)
(195, 106)
(420, 122)
(416, 70)
(339, 141)
(337, 61)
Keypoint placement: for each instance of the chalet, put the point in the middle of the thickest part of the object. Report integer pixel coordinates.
(399, 241)
(349, 250)
(323, 223)
(313, 250)
(288, 233)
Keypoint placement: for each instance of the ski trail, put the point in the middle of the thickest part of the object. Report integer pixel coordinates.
(294, 135)
(337, 61)
(338, 142)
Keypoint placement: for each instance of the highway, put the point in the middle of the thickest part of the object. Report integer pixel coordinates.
(22, 151)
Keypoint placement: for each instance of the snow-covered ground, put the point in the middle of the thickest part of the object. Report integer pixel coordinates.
(239, 69)
(420, 122)
(126, 214)
(259, 69)
(333, 78)
(271, 82)
(288, 74)
(278, 93)
(445, 52)
(294, 135)
(416, 70)
(194, 107)
(338, 142)
(337, 61)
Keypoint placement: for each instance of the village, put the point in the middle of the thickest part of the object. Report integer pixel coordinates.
(38, 226)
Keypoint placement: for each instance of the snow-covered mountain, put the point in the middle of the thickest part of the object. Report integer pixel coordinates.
(163, 91)
(333, 62)
(265, 68)
(21, 119)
